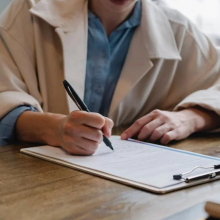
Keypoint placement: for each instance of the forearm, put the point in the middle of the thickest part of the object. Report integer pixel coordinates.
(202, 119)
(39, 127)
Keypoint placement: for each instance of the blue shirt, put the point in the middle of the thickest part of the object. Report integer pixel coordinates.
(7, 124)
(105, 60)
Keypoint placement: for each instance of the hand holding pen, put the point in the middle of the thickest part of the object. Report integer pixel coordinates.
(84, 131)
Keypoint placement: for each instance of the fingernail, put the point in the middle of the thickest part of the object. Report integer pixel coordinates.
(124, 136)
(110, 132)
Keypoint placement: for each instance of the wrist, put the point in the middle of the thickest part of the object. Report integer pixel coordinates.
(200, 119)
(39, 127)
(52, 129)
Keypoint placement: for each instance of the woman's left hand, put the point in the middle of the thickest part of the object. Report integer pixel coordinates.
(167, 126)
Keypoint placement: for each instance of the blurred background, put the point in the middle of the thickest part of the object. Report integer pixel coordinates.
(3, 4)
(204, 13)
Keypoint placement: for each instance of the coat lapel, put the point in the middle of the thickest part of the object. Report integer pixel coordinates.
(153, 39)
(137, 64)
(74, 53)
(71, 25)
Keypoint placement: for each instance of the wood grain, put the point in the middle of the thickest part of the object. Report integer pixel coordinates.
(31, 188)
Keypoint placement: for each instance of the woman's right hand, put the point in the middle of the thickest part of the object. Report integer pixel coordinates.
(80, 133)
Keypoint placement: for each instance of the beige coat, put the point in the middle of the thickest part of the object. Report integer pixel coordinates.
(170, 64)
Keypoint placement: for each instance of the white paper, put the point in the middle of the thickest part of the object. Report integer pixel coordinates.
(144, 163)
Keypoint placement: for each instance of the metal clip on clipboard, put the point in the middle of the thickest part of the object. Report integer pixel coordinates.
(207, 175)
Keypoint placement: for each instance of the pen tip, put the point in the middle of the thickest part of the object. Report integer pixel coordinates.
(111, 147)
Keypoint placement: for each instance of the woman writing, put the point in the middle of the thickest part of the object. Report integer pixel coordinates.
(133, 62)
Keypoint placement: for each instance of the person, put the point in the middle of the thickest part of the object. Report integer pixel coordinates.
(132, 61)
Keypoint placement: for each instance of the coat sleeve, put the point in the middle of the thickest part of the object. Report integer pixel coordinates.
(18, 79)
(200, 72)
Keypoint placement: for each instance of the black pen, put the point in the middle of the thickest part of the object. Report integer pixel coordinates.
(82, 106)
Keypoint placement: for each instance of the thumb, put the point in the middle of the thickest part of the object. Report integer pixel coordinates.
(107, 128)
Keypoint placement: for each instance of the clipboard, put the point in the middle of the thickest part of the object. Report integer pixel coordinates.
(144, 174)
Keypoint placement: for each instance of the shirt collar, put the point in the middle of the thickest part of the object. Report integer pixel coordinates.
(133, 20)
(91, 15)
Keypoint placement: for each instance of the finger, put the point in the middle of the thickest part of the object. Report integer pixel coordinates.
(75, 150)
(169, 136)
(148, 129)
(92, 134)
(136, 127)
(159, 132)
(88, 145)
(107, 129)
(88, 118)
(84, 131)
(83, 147)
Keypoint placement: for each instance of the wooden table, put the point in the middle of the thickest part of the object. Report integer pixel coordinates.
(31, 188)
